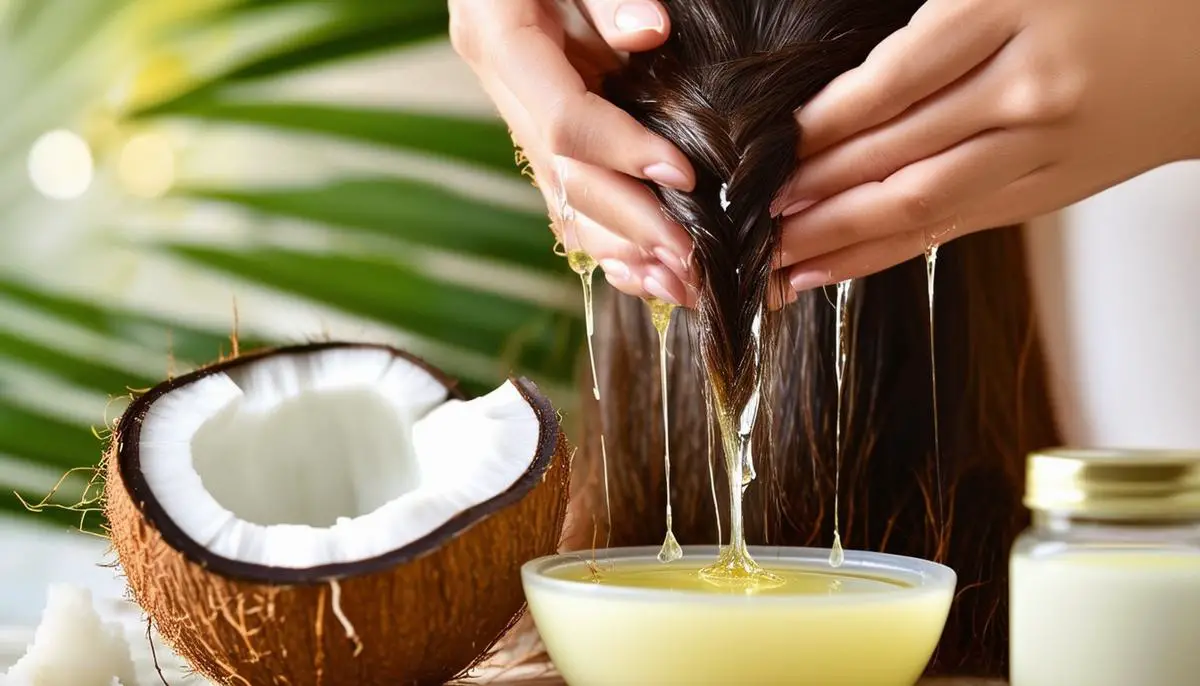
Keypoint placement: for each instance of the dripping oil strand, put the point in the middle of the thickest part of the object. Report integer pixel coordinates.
(712, 474)
(660, 316)
(585, 266)
(836, 553)
(931, 254)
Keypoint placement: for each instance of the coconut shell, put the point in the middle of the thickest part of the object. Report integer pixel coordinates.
(422, 614)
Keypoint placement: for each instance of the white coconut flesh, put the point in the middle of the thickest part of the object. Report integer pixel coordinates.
(73, 646)
(299, 460)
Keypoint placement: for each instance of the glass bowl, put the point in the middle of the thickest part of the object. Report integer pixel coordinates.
(874, 621)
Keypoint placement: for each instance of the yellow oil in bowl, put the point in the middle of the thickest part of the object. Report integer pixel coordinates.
(622, 617)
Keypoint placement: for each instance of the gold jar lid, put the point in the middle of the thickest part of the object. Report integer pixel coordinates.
(1114, 483)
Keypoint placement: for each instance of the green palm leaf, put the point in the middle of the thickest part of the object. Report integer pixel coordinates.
(418, 213)
(185, 343)
(356, 243)
(457, 316)
(481, 142)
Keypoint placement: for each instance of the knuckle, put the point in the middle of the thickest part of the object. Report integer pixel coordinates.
(567, 130)
(895, 71)
(875, 164)
(462, 33)
(1020, 99)
(472, 24)
(1066, 93)
(1043, 93)
(916, 204)
(560, 131)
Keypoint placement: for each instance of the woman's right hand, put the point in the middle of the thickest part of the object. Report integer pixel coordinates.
(543, 78)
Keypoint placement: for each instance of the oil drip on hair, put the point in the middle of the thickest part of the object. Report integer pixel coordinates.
(737, 422)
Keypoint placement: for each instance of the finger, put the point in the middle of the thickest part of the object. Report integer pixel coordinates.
(925, 130)
(945, 40)
(659, 282)
(628, 267)
(575, 122)
(857, 261)
(524, 136)
(922, 194)
(652, 282)
(1030, 196)
(1038, 192)
(628, 209)
(780, 294)
(613, 252)
(630, 25)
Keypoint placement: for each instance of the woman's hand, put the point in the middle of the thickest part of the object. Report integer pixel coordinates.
(982, 113)
(543, 79)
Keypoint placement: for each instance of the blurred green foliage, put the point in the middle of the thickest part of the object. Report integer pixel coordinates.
(380, 223)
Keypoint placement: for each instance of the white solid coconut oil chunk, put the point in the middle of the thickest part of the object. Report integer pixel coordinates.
(73, 647)
(330, 456)
(1108, 617)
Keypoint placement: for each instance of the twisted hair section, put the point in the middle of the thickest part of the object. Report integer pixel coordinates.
(725, 90)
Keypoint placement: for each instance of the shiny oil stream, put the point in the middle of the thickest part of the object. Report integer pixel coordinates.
(660, 316)
(841, 313)
(931, 255)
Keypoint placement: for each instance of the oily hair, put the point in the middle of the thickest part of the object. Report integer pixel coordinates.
(723, 89)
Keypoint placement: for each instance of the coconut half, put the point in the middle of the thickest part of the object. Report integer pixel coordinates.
(333, 514)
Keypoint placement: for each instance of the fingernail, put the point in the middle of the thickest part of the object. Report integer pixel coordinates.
(632, 17)
(671, 261)
(667, 175)
(797, 207)
(810, 279)
(653, 287)
(615, 269)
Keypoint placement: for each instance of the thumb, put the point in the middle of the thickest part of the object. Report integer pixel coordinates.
(630, 25)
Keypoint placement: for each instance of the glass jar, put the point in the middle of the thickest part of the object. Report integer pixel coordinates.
(1105, 585)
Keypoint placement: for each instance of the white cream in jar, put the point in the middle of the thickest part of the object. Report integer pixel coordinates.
(1105, 586)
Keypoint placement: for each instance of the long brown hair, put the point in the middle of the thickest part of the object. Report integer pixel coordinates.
(723, 89)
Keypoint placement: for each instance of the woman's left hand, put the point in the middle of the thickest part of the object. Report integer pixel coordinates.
(982, 113)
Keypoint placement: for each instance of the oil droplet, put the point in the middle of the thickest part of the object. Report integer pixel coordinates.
(660, 316)
(670, 551)
(841, 314)
(582, 264)
(837, 555)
